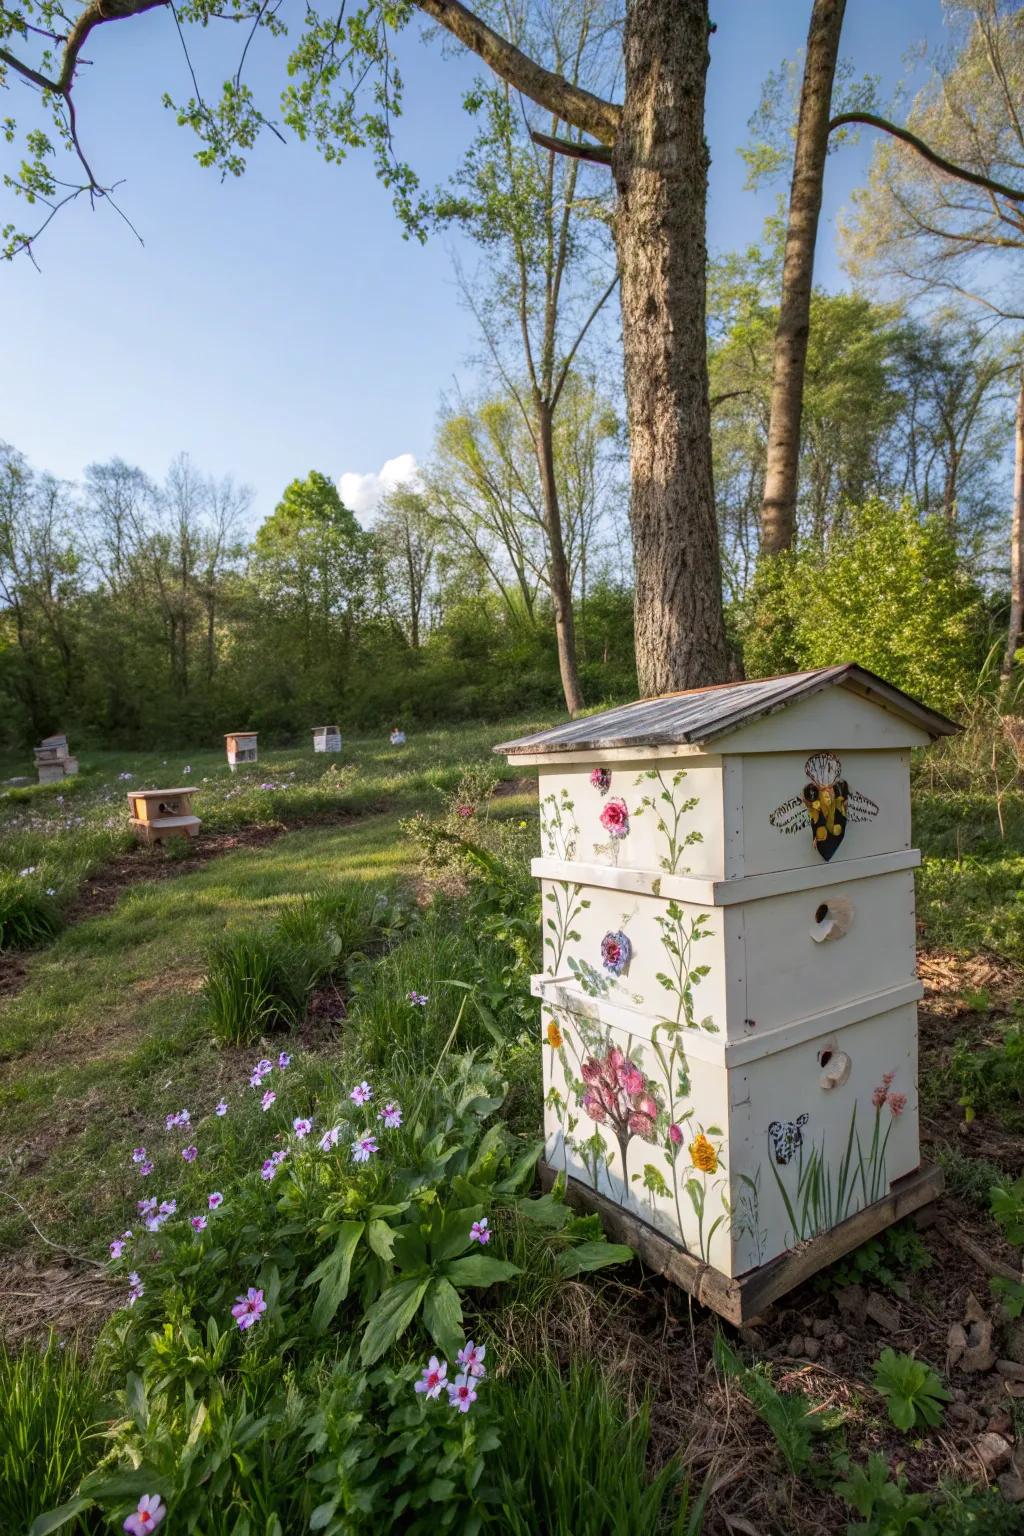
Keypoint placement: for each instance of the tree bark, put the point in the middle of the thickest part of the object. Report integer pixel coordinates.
(778, 508)
(558, 566)
(660, 162)
(1016, 540)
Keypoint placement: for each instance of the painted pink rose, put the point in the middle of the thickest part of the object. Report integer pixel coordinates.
(590, 1070)
(594, 1108)
(615, 818)
(641, 1125)
(631, 1080)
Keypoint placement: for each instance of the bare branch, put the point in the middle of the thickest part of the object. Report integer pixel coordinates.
(600, 154)
(960, 172)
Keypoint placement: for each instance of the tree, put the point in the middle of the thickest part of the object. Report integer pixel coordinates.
(405, 539)
(653, 142)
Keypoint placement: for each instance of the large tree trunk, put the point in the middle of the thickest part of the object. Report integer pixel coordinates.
(778, 509)
(1016, 539)
(660, 162)
(558, 566)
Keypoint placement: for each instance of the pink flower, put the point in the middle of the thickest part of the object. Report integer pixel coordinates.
(284, 1060)
(362, 1093)
(151, 1510)
(641, 1125)
(471, 1358)
(270, 1097)
(462, 1393)
(248, 1309)
(601, 779)
(590, 1070)
(222, 1108)
(433, 1379)
(631, 1080)
(675, 1134)
(465, 810)
(117, 1246)
(594, 1108)
(362, 1148)
(615, 818)
(268, 1170)
(330, 1138)
(190, 1154)
(479, 1231)
(137, 1288)
(391, 1114)
(139, 1155)
(215, 1199)
(198, 1223)
(897, 1103)
(302, 1127)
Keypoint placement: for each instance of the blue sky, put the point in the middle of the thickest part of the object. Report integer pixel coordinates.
(279, 323)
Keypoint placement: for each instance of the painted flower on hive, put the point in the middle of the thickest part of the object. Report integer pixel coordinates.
(554, 1035)
(601, 778)
(883, 1095)
(147, 1515)
(703, 1155)
(618, 1095)
(615, 818)
(616, 952)
(248, 1309)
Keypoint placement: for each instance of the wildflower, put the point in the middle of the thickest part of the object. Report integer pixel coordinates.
(139, 1155)
(703, 1155)
(255, 1081)
(151, 1510)
(190, 1154)
(330, 1138)
(215, 1200)
(51, 890)
(391, 1114)
(433, 1379)
(268, 1170)
(221, 1109)
(264, 1066)
(302, 1127)
(270, 1097)
(554, 1035)
(137, 1288)
(187, 768)
(471, 1358)
(362, 1093)
(418, 999)
(182, 1117)
(479, 1232)
(198, 1223)
(168, 1207)
(462, 1393)
(126, 776)
(278, 1157)
(675, 1134)
(362, 1147)
(465, 811)
(146, 1168)
(117, 1246)
(146, 1207)
(522, 824)
(248, 1309)
(154, 1223)
(284, 1060)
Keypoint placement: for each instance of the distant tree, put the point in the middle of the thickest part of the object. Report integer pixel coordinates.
(405, 540)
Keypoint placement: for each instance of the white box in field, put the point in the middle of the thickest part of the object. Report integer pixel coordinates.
(728, 994)
(327, 738)
(241, 747)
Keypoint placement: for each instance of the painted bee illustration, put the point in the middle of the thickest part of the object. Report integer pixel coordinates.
(826, 804)
(786, 1137)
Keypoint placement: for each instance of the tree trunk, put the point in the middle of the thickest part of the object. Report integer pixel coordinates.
(660, 162)
(778, 509)
(558, 566)
(1016, 538)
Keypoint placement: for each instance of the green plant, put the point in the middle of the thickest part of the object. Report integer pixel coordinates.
(50, 1413)
(991, 1079)
(888, 1509)
(28, 916)
(255, 984)
(790, 1416)
(882, 1260)
(913, 1392)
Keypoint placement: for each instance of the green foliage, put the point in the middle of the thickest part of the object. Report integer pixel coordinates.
(889, 1508)
(790, 1416)
(890, 593)
(991, 1080)
(883, 1260)
(27, 915)
(913, 1392)
(50, 1413)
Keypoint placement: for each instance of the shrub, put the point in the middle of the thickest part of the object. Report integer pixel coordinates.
(48, 1423)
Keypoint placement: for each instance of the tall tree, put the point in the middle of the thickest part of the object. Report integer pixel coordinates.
(654, 143)
(405, 538)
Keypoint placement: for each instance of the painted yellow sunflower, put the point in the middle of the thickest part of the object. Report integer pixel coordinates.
(554, 1034)
(703, 1154)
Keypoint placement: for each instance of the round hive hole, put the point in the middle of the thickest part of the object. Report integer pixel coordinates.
(825, 1058)
(822, 912)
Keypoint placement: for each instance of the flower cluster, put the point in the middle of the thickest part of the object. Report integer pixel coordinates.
(418, 999)
(883, 1095)
(181, 1118)
(615, 818)
(618, 1094)
(703, 1155)
(462, 1393)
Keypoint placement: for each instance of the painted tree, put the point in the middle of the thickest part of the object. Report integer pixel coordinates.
(343, 91)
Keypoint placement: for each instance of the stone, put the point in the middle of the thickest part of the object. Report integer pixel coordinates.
(962, 1413)
(821, 1328)
(979, 1354)
(795, 1346)
(19, 782)
(752, 1338)
(993, 1451)
(1010, 1369)
(852, 1302)
(974, 1312)
(836, 1343)
(812, 1347)
(1011, 1486)
(1000, 1422)
(956, 1344)
(883, 1312)
(1013, 1348)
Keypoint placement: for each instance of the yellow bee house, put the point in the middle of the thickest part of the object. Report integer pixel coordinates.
(728, 995)
(53, 760)
(158, 814)
(241, 748)
(327, 738)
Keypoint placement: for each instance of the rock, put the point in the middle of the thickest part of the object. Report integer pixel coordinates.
(1014, 1346)
(752, 1338)
(979, 1354)
(883, 1312)
(795, 1346)
(993, 1451)
(812, 1347)
(1000, 1422)
(974, 1312)
(1011, 1486)
(836, 1343)
(820, 1328)
(19, 783)
(852, 1302)
(1010, 1369)
(956, 1344)
(962, 1413)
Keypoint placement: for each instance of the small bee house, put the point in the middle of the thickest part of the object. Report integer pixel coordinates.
(53, 760)
(157, 814)
(241, 748)
(326, 738)
(729, 997)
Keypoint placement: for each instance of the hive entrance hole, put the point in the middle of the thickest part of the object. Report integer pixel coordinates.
(821, 913)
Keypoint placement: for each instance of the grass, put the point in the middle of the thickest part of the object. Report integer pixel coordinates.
(49, 1430)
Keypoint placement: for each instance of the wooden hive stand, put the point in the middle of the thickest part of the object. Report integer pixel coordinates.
(157, 814)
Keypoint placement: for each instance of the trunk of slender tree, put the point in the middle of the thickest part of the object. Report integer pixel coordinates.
(558, 566)
(778, 509)
(660, 162)
(1016, 540)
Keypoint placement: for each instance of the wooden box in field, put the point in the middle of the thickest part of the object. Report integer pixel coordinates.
(728, 998)
(241, 748)
(327, 738)
(53, 759)
(159, 814)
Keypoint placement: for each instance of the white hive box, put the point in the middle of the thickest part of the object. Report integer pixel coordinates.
(729, 1017)
(327, 738)
(241, 748)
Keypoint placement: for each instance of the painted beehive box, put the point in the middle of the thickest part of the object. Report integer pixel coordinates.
(327, 738)
(241, 748)
(728, 996)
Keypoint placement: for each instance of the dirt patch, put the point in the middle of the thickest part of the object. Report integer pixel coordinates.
(508, 787)
(37, 1294)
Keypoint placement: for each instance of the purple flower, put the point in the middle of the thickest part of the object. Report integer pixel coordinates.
(277, 1158)
(222, 1108)
(270, 1097)
(362, 1093)
(198, 1223)
(147, 1516)
(284, 1060)
(418, 999)
(145, 1169)
(168, 1207)
(330, 1138)
(302, 1127)
(190, 1154)
(215, 1200)
(268, 1170)
(432, 1382)
(154, 1223)
(146, 1207)
(479, 1231)
(181, 1118)
(263, 1066)
(616, 952)
(139, 1155)
(117, 1246)
(248, 1309)
(462, 1393)
(363, 1147)
(391, 1114)
(255, 1081)
(471, 1358)
(137, 1288)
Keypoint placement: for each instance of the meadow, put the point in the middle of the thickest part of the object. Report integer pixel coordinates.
(333, 985)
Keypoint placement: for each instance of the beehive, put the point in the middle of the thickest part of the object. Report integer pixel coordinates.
(729, 1020)
(159, 814)
(53, 759)
(327, 738)
(241, 748)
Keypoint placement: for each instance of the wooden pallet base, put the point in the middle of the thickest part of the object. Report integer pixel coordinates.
(741, 1299)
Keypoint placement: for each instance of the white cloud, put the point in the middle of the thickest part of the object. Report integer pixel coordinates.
(363, 492)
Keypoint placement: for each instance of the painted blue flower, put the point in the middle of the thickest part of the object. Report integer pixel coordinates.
(616, 952)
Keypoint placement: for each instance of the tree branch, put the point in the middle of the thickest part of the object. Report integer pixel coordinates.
(959, 172)
(571, 103)
(600, 154)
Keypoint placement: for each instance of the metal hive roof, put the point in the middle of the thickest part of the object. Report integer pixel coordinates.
(702, 714)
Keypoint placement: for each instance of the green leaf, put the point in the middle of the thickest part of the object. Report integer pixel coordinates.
(546, 1212)
(381, 1238)
(479, 1269)
(390, 1316)
(442, 1316)
(55, 1518)
(334, 1275)
(590, 1256)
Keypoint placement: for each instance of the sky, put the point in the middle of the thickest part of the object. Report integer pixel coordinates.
(279, 322)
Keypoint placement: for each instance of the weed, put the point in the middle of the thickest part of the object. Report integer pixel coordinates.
(913, 1392)
(790, 1416)
(28, 916)
(882, 1260)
